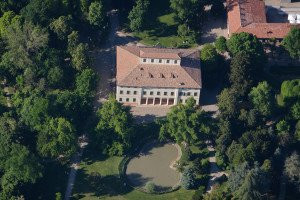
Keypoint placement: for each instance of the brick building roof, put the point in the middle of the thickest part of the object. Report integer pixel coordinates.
(250, 16)
(132, 73)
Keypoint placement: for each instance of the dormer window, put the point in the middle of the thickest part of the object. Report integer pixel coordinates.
(144, 60)
(152, 60)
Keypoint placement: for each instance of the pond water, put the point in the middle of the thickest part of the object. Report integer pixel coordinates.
(154, 163)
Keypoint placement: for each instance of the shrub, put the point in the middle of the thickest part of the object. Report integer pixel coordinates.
(198, 195)
(221, 44)
(188, 179)
(150, 187)
(186, 156)
(201, 166)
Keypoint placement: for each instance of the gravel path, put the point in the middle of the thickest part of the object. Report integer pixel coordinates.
(215, 172)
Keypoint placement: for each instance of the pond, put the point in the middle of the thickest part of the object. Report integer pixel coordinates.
(155, 163)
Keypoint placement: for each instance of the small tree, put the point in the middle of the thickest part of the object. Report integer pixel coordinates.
(292, 42)
(188, 179)
(221, 44)
(210, 57)
(96, 14)
(292, 168)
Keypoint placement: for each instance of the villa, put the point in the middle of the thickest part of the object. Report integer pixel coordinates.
(157, 76)
(263, 18)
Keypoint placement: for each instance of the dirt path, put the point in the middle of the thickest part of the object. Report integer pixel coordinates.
(215, 172)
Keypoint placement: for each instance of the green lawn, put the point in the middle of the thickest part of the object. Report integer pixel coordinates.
(162, 27)
(89, 185)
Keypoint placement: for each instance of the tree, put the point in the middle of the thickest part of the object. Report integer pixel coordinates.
(55, 77)
(186, 33)
(186, 123)
(62, 26)
(218, 9)
(41, 11)
(292, 168)
(297, 131)
(96, 15)
(210, 58)
(291, 42)
(295, 110)
(5, 21)
(282, 127)
(248, 44)
(114, 129)
(220, 44)
(290, 91)
(227, 102)
(242, 74)
(189, 12)
(86, 83)
(262, 98)
(188, 179)
(20, 49)
(138, 15)
(80, 57)
(57, 138)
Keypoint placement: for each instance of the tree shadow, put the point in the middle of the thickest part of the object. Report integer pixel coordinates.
(137, 180)
(96, 185)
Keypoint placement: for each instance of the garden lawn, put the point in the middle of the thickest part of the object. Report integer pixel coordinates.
(89, 185)
(161, 27)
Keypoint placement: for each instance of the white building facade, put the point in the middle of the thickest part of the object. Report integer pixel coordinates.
(157, 76)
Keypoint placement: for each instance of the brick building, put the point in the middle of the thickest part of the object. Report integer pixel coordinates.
(263, 18)
(157, 76)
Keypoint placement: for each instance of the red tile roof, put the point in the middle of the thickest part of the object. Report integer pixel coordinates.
(132, 73)
(250, 16)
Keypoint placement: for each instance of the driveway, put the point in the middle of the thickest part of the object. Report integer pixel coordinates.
(105, 58)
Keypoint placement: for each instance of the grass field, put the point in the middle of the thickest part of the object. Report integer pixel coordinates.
(161, 27)
(98, 178)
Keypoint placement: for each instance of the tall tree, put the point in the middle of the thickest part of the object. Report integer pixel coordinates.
(96, 15)
(292, 42)
(114, 129)
(138, 15)
(262, 98)
(57, 138)
(185, 123)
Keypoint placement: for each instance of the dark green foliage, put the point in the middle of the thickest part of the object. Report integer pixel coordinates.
(138, 15)
(211, 60)
(62, 26)
(292, 42)
(218, 9)
(295, 110)
(86, 83)
(97, 14)
(220, 44)
(114, 129)
(227, 102)
(150, 187)
(290, 91)
(188, 179)
(242, 74)
(185, 123)
(262, 98)
(248, 44)
(198, 195)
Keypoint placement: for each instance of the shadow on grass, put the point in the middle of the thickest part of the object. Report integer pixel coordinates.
(96, 185)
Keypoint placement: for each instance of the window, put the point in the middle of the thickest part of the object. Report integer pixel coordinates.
(144, 92)
(144, 60)
(151, 93)
(168, 61)
(165, 93)
(127, 99)
(180, 93)
(120, 99)
(172, 93)
(128, 92)
(134, 100)
(195, 94)
(134, 92)
(175, 61)
(160, 61)
(121, 91)
(188, 94)
(158, 93)
(152, 60)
